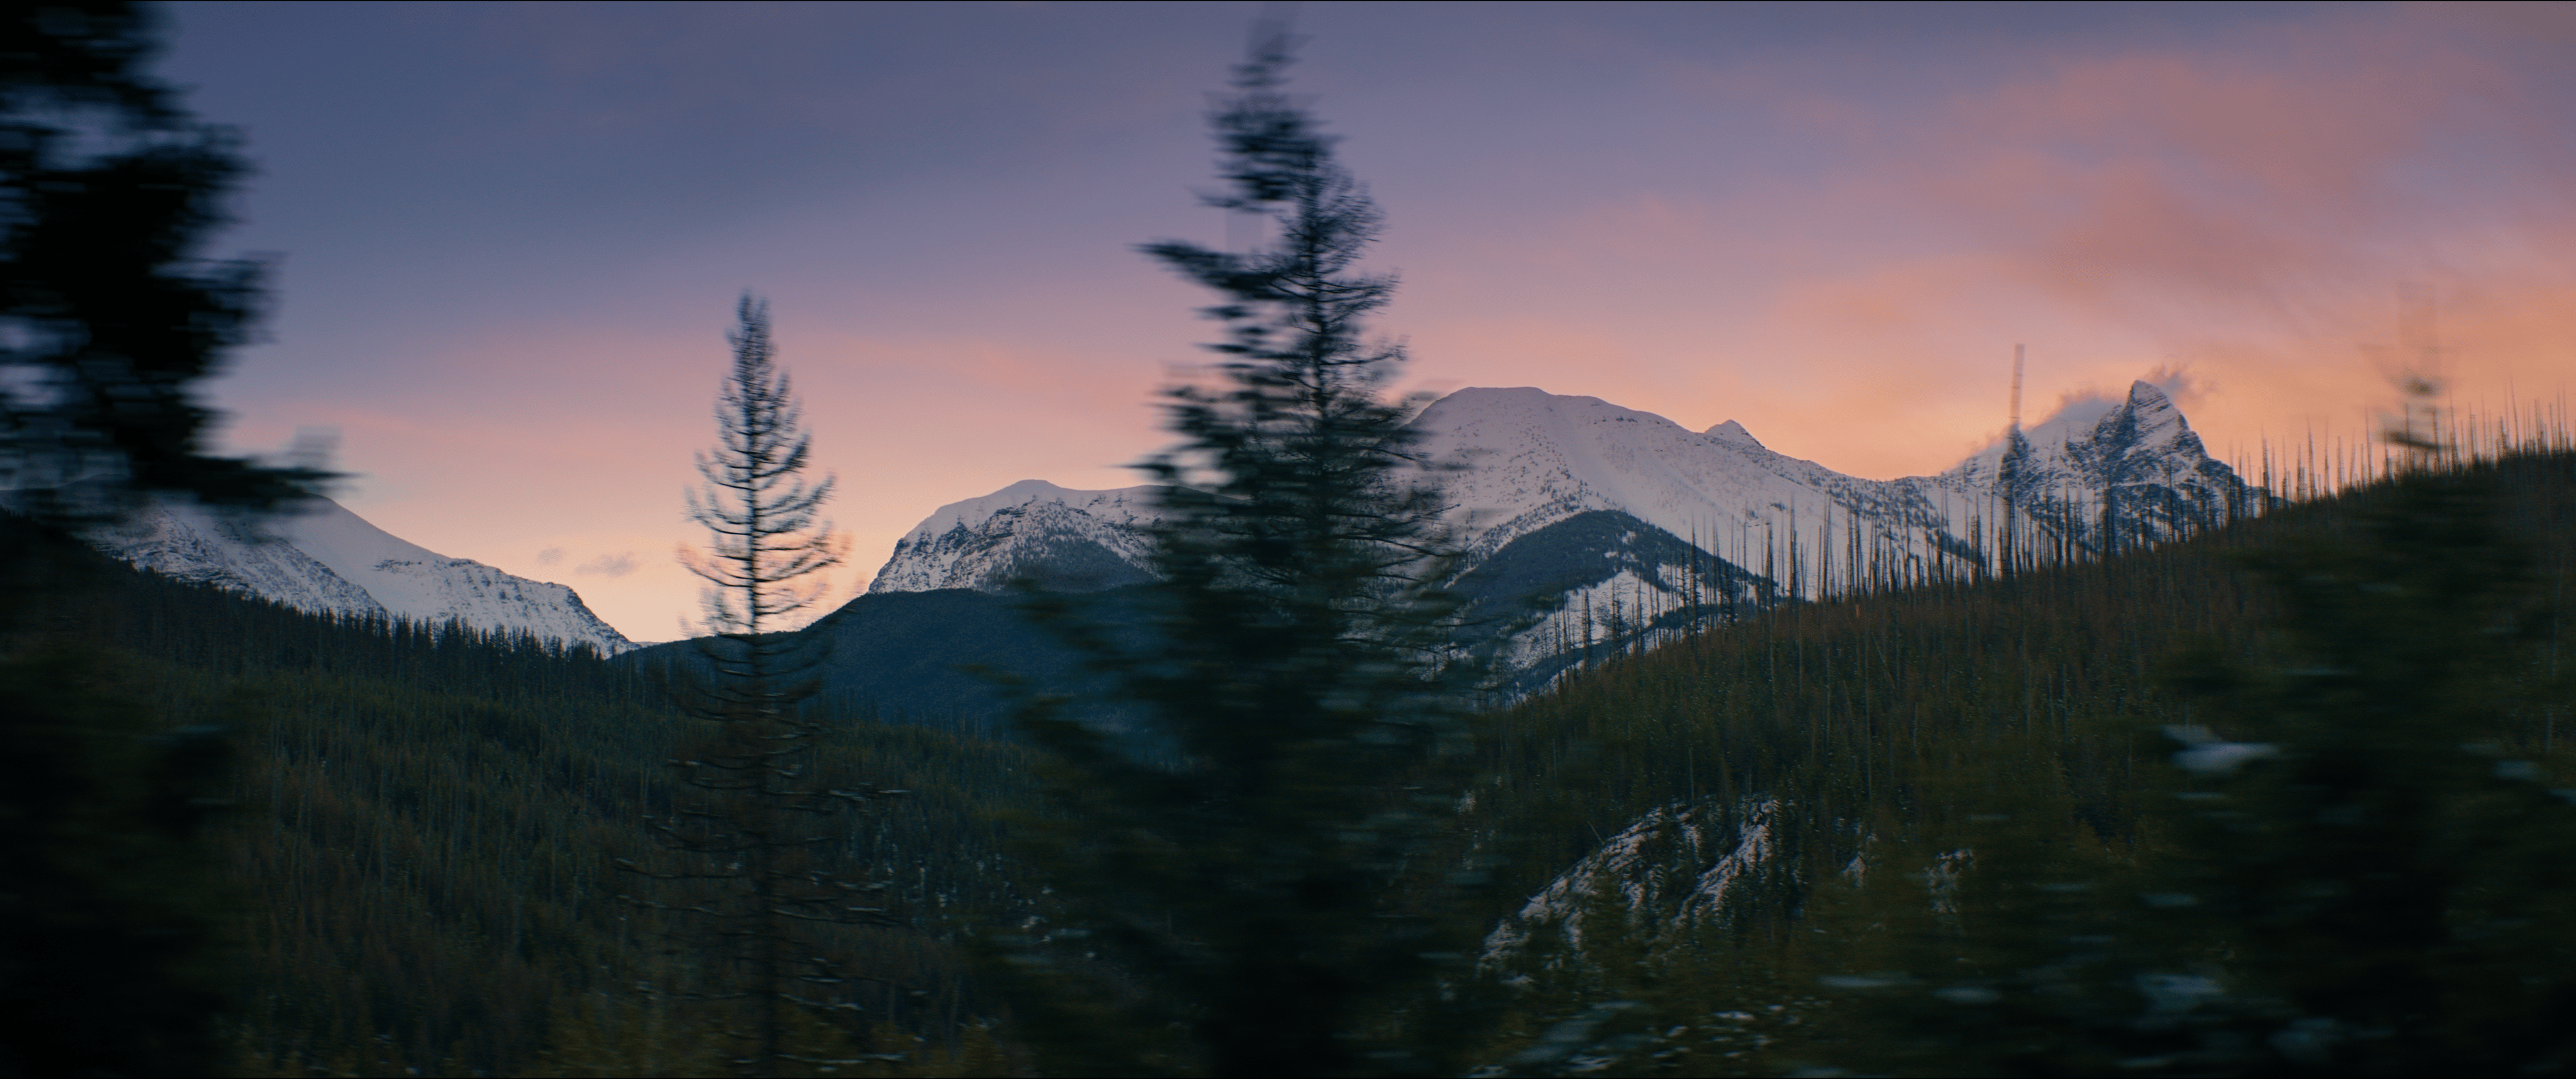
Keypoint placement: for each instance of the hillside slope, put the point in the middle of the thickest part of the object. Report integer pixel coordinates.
(319, 557)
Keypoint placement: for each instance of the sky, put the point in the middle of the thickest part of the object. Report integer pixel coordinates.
(508, 239)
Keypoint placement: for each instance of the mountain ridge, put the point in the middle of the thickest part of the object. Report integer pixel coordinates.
(318, 556)
(1712, 518)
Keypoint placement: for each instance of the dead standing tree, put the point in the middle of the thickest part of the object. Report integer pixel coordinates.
(761, 812)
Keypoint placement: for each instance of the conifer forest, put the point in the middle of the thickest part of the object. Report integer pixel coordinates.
(2276, 790)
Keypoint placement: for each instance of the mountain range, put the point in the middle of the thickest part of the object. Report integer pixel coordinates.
(1623, 526)
(1610, 527)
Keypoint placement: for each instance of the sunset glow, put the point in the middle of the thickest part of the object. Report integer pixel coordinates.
(510, 238)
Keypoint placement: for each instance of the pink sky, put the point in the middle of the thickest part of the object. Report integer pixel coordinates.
(1827, 223)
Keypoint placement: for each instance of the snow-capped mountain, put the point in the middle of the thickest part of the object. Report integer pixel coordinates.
(1535, 459)
(2108, 475)
(320, 557)
(1075, 540)
(1633, 526)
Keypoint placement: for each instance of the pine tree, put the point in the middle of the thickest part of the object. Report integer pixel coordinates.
(752, 836)
(108, 319)
(113, 316)
(1300, 688)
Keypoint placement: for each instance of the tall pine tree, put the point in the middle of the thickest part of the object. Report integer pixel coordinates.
(109, 317)
(113, 314)
(1299, 688)
(745, 871)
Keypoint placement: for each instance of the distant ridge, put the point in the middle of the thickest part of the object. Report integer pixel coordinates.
(1076, 540)
(1630, 525)
(320, 557)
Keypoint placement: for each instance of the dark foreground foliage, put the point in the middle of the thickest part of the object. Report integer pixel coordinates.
(2359, 856)
(2279, 798)
(111, 906)
(1981, 854)
(1244, 884)
(415, 865)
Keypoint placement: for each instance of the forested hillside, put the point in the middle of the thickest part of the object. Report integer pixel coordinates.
(425, 817)
(421, 848)
(2029, 824)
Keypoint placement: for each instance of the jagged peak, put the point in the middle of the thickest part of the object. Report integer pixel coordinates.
(1734, 432)
(2146, 407)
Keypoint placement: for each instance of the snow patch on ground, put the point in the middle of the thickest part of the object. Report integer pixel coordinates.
(1642, 870)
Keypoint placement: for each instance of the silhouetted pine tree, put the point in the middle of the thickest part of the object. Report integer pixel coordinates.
(108, 318)
(749, 840)
(1297, 682)
(112, 189)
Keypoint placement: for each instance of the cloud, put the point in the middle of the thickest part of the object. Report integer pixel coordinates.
(2241, 217)
(550, 556)
(2178, 382)
(609, 565)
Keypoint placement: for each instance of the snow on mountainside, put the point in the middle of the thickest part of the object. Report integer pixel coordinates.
(1534, 458)
(1675, 867)
(1641, 525)
(1070, 539)
(2111, 476)
(320, 557)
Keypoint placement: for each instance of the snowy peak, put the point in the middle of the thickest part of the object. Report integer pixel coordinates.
(2144, 439)
(190, 543)
(2093, 435)
(1734, 432)
(322, 558)
(2109, 475)
(1530, 459)
(1065, 538)
(1018, 494)
(1638, 526)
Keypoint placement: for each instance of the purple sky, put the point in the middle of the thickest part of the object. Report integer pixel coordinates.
(511, 236)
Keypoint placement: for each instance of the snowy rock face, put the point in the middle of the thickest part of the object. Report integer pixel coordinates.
(1674, 868)
(320, 557)
(1071, 540)
(2109, 479)
(1531, 459)
(1631, 526)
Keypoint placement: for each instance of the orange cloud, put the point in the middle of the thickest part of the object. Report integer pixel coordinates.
(2249, 210)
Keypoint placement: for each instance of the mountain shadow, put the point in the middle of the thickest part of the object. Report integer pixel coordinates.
(938, 658)
(1597, 584)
